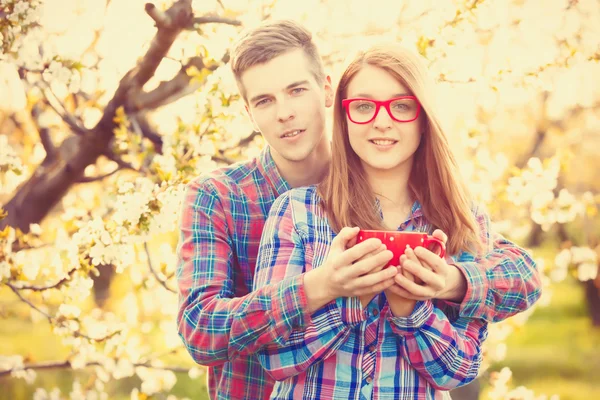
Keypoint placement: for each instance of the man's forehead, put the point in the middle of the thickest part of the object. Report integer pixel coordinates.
(277, 75)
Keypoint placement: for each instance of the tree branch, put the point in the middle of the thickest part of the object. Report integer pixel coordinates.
(170, 91)
(51, 319)
(162, 19)
(44, 133)
(89, 179)
(223, 159)
(170, 24)
(36, 288)
(69, 119)
(66, 364)
(160, 280)
(30, 304)
(122, 164)
(212, 19)
(144, 126)
(247, 140)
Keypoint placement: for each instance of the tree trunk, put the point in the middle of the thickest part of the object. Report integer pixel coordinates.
(467, 392)
(48, 184)
(102, 284)
(592, 296)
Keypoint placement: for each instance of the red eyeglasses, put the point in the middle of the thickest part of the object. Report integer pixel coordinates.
(400, 109)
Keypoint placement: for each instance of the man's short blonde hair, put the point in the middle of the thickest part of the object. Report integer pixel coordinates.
(272, 39)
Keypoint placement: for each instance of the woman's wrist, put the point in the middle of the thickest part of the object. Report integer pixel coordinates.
(400, 306)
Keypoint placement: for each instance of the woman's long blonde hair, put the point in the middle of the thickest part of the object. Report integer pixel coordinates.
(347, 196)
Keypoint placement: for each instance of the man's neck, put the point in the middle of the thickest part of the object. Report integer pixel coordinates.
(309, 171)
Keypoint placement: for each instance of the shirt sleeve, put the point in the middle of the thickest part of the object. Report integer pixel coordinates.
(214, 324)
(282, 256)
(446, 354)
(501, 283)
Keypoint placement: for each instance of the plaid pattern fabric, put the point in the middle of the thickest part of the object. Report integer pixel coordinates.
(371, 354)
(220, 322)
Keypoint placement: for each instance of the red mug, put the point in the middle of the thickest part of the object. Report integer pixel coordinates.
(396, 242)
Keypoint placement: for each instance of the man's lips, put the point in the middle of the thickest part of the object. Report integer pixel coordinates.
(291, 133)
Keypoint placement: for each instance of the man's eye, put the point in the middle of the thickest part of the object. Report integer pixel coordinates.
(262, 102)
(298, 90)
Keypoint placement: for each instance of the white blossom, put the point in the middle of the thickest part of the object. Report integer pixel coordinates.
(587, 271)
(69, 311)
(4, 270)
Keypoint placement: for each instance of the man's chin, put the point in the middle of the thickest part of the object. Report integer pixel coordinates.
(296, 155)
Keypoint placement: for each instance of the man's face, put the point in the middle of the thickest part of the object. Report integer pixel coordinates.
(287, 105)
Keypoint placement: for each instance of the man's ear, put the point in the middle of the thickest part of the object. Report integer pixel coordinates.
(251, 118)
(329, 94)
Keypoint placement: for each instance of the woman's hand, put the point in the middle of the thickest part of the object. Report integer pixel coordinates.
(434, 278)
(400, 305)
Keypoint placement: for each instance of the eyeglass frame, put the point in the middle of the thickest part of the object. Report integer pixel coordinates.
(378, 104)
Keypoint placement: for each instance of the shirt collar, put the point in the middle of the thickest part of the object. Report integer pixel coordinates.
(416, 210)
(269, 170)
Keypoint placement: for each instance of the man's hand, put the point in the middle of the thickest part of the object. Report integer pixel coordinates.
(434, 278)
(351, 270)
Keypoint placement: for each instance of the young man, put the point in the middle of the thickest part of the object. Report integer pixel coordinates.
(221, 320)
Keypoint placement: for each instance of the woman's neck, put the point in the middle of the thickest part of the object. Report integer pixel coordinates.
(390, 185)
(392, 191)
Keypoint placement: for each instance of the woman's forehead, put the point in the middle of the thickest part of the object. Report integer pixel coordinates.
(377, 83)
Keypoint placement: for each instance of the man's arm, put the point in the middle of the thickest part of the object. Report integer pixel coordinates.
(503, 282)
(214, 325)
(446, 354)
(498, 284)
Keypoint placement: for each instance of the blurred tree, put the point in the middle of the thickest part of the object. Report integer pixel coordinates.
(106, 111)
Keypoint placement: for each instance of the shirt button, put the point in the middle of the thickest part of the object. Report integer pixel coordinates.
(369, 379)
(375, 312)
(371, 348)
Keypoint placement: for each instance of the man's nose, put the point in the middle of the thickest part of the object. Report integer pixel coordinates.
(285, 111)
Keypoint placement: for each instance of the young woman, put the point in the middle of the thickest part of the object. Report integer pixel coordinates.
(391, 169)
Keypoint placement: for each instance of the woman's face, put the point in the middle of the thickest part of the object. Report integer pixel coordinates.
(383, 144)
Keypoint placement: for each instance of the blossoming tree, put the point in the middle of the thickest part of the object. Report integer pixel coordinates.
(108, 108)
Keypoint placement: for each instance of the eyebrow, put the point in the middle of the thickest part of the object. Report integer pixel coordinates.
(368, 96)
(288, 87)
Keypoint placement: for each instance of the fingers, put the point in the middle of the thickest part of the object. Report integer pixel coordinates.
(424, 292)
(359, 251)
(372, 253)
(373, 283)
(411, 259)
(439, 234)
(368, 265)
(344, 237)
(434, 261)
(400, 291)
(423, 274)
